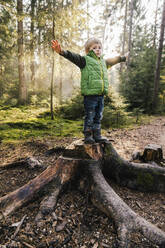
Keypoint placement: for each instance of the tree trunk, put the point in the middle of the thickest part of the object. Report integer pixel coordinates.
(130, 31)
(51, 87)
(87, 19)
(60, 81)
(22, 86)
(124, 33)
(53, 66)
(158, 62)
(39, 7)
(90, 163)
(155, 25)
(32, 66)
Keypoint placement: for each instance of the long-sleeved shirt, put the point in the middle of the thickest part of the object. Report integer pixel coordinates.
(80, 61)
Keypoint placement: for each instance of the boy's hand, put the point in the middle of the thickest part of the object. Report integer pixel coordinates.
(56, 47)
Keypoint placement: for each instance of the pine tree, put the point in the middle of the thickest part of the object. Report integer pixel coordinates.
(137, 83)
(6, 42)
(32, 43)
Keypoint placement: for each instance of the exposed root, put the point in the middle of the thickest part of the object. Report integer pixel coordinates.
(126, 220)
(143, 177)
(90, 161)
(63, 171)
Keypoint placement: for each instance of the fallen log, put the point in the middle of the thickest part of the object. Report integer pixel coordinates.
(94, 162)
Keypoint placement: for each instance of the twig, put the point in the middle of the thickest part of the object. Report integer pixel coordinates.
(18, 227)
(28, 245)
(138, 204)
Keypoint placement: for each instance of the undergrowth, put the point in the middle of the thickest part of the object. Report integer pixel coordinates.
(24, 123)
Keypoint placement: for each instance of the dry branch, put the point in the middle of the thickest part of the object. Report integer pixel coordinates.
(18, 227)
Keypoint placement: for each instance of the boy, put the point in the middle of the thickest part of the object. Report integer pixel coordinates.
(94, 84)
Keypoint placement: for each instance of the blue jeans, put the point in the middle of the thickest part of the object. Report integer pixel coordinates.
(94, 106)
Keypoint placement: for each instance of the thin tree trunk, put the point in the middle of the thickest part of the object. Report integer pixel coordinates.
(60, 82)
(124, 32)
(158, 62)
(39, 27)
(87, 19)
(22, 86)
(51, 90)
(32, 67)
(130, 31)
(52, 78)
(155, 24)
(60, 62)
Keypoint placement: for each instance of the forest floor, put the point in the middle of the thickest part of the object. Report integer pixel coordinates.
(76, 222)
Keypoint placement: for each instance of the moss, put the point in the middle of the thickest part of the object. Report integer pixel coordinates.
(30, 122)
(25, 123)
(145, 180)
(110, 152)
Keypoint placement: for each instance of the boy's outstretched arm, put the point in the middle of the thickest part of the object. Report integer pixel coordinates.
(73, 57)
(115, 60)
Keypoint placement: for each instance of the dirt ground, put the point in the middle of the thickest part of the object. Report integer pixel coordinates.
(75, 222)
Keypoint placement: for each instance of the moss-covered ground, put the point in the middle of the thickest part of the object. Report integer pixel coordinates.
(24, 123)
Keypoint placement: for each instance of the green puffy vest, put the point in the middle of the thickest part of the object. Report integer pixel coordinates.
(94, 76)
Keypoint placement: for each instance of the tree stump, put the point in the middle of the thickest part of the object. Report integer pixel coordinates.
(92, 163)
(152, 152)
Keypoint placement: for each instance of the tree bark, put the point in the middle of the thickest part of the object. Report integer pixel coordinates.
(51, 86)
(126, 220)
(22, 86)
(158, 61)
(32, 66)
(138, 176)
(130, 31)
(124, 33)
(53, 65)
(39, 7)
(90, 163)
(155, 25)
(60, 81)
(152, 152)
(61, 172)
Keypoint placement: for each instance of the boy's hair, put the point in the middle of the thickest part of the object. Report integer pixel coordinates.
(90, 42)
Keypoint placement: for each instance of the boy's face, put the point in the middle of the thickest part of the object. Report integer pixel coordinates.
(97, 48)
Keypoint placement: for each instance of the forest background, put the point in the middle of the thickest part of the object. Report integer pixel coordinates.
(37, 85)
